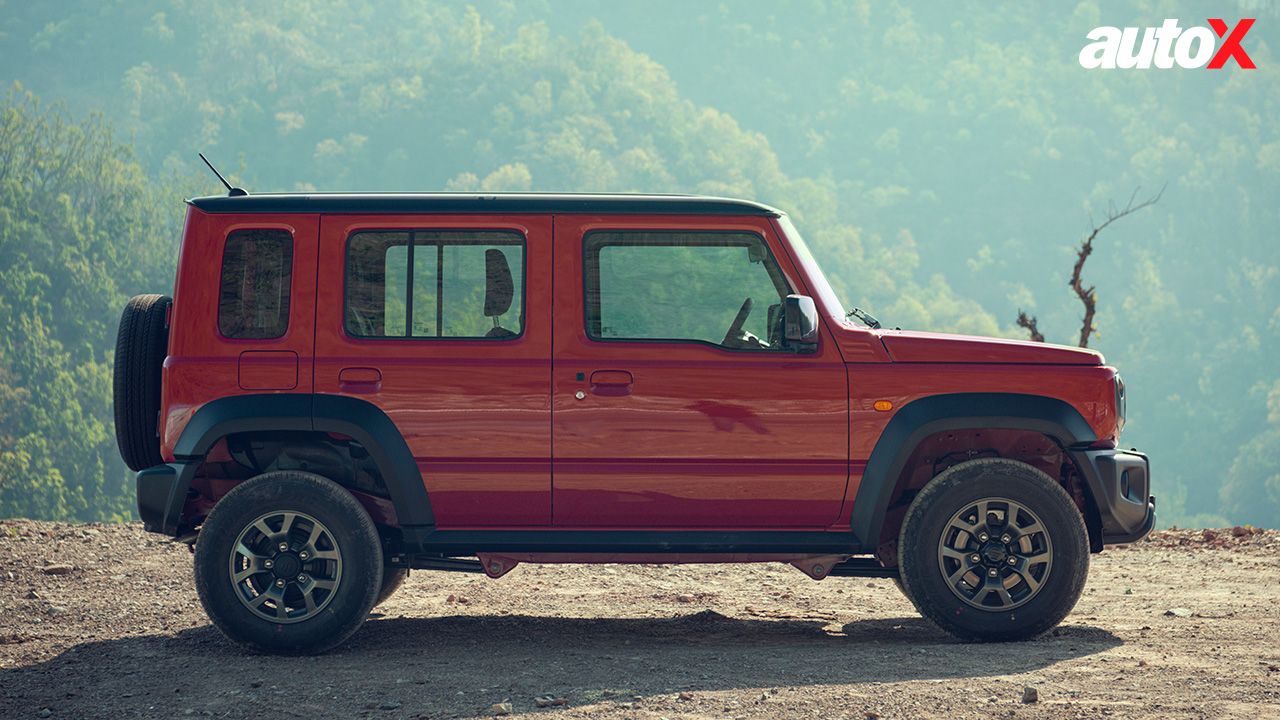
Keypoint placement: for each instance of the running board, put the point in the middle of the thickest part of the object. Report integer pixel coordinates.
(421, 562)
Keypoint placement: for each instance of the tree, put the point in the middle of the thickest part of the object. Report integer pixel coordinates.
(1088, 296)
(81, 228)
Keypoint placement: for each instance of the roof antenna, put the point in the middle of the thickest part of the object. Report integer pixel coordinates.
(231, 191)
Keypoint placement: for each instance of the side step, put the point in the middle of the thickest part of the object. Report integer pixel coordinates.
(428, 562)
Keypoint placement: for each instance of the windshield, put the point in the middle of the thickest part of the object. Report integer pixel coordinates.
(821, 288)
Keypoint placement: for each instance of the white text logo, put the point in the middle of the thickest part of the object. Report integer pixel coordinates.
(1166, 46)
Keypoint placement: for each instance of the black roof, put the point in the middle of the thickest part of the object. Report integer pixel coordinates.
(563, 203)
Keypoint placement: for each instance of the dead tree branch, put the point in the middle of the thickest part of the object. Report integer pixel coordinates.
(1029, 323)
(1088, 295)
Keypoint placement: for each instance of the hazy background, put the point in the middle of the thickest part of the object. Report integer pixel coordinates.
(943, 160)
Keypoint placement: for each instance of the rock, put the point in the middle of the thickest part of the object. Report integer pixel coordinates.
(32, 595)
(685, 697)
(543, 701)
(1240, 531)
(1178, 612)
(685, 598)
(451, 598)
(58, 569)
(1030, 695)
(502, 708)
(389, 705)
(55, 610)
(1209, 535)
(45, 712)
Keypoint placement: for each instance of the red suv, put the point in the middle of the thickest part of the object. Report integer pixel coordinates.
(349, 386)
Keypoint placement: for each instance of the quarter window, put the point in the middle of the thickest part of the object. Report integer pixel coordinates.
(253, 301)
(724, 289)
(435, 284)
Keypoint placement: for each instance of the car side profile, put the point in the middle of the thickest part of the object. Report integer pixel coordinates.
(345, 387)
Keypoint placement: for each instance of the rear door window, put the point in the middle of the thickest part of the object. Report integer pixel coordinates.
(435, 284)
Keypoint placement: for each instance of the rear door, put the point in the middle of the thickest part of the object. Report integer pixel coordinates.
(665, 415)
(444, 322)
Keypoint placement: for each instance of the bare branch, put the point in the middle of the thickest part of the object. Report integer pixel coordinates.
(1088, 296)
(1029, 323)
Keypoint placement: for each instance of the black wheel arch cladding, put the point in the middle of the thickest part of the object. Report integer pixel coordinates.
(926, 416)
(358, 419)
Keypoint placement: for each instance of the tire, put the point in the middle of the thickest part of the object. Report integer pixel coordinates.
(346, 553)
(142, 341)
(1049, 544)
(898, 581)
(392, 579)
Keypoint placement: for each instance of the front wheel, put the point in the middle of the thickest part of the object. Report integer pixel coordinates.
(993, 550)
(288, 562)
(392, 579)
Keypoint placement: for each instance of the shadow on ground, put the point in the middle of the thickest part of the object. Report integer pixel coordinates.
(461, 664)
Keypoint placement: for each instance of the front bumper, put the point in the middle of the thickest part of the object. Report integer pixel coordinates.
(162, 493)
(1120, 484)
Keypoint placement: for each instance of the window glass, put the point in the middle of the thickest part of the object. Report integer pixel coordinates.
(433, 284)
(253, 300)
(683, 286)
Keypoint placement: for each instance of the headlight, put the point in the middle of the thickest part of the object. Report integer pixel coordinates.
(1120, 402)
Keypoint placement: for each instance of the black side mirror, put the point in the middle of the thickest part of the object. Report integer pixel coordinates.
(800, 323)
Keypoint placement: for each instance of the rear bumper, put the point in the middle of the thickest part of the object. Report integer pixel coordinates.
(162, 492)
(1120, 483)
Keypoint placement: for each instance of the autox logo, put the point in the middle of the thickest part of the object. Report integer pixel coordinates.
(1166, 46)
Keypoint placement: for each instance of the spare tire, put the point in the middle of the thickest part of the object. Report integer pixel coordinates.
(142, 342)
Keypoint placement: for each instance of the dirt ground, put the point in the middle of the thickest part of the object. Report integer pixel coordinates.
(1184, 624)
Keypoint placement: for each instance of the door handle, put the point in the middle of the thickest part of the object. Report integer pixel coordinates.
(611, 383)
(360, 380)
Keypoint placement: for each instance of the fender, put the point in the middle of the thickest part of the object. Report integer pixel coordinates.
(921, 418)
(357, 419)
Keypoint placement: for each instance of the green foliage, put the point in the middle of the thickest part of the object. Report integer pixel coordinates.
(942, 166)
(80, 229)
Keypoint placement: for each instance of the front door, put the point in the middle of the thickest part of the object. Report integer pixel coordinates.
(675, 405)
(444, 322)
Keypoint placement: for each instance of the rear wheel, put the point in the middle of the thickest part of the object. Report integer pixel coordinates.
(993, 550)
(288, 562)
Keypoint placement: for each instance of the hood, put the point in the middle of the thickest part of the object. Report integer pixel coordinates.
(925, 347)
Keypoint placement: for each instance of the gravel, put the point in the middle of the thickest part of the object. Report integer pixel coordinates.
(129, 639)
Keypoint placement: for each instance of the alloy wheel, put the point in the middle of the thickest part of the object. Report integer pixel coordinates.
(285, 566)
(995, 554)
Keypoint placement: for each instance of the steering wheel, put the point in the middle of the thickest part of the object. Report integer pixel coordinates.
(735, 330)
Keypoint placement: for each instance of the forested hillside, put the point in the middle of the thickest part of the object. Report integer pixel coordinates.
(943, 164)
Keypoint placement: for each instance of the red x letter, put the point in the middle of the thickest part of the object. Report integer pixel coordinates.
(1231, 45)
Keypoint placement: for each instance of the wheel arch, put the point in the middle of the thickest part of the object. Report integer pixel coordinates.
(357, 419)
(920, 419)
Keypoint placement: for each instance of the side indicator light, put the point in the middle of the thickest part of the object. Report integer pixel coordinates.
(883, 406)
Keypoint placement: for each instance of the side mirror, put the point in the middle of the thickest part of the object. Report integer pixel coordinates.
(800, 323)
